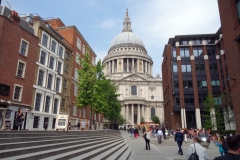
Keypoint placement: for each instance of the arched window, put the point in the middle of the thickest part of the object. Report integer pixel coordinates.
(152, 97)
(153, 112)
(134, 90)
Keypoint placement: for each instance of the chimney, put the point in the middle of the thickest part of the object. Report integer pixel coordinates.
(29, 18)
(15, 16)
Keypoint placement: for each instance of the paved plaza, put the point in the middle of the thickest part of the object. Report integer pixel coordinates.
(167, 150)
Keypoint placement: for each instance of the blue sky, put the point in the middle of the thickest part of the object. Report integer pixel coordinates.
(154, 21)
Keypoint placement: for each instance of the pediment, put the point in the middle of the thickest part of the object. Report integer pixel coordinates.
(133, 77)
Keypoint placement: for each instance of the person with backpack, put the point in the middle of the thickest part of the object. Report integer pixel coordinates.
(19, 119)
(197, 148)
(147, 136)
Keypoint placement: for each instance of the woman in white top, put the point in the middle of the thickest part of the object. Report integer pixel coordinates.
(196, 146)
(146, 135)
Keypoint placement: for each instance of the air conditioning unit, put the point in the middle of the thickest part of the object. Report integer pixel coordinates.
(29, 18)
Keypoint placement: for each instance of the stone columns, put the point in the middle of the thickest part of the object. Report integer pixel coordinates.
(183, 118)
(151, 69)
(143, 112)
(148, 68)
(127, 113)
(147, 114)
(198, 118)
(138, 114)
(145, 66)
(132, 114)
(133, 63)
(137, 70)
(109, 67)
(127, 66)
(112, 67)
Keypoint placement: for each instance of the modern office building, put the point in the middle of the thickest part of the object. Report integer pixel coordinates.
(18, 55)
(192, 68)
(130, 67)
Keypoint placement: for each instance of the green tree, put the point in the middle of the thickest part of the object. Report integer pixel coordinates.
(155, 120)
(142, 119)
(121, 120)
(213, 114)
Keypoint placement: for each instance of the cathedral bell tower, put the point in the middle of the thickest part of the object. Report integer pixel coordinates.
(127, 24)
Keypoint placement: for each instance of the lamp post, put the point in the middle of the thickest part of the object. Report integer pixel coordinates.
(69, 111)
(25, 119)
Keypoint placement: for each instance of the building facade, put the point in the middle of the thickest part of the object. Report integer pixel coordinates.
(80, 47)
(18, 55)
(52, 77)
(229, 12)
(130, 67)
(192, 69)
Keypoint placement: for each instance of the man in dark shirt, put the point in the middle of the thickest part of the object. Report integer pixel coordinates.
(233, 149)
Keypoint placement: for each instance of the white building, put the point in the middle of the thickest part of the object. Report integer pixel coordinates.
(130, 67)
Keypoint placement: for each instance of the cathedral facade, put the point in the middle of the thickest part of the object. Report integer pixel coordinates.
(130, 67)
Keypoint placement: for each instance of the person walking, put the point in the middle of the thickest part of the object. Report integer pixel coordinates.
(179, 139)
(159, 135)
(78, 125)
(196, 147)
(135, 132)
(163, 130)
(45, 125)
(147, 135)
(19, 119)
(233, 149)
(222, 144)
(185, 132)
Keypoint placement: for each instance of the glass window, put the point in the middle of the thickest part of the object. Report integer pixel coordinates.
(55, 107)
(204, 83)
(211, 51)
(184, 69)
(152, 97)
(182, 52)
(134, 90)
(64, 83)
(78, 58)
(49, 85)
(38, 102)
(53, 123)
(217, 82)
(186, 100)
(198, 41)
(189, 68)
(84, 113)
(185, 84)
(76, 74)
(213, 83)
(93, 61)
(213, 67)
(47, 104)
(187, 52)
(63, 103)
(45, 121)
(174, 53)
(43, 58)
(175, 68)
(83, 49)
(60, 52)
(36, 122)
(74, 111)
(40, 77)
(67, 55)
(75, 90)
(59, 67)
(184, 41)
(190, 85)
(45, 40)
(78, 44)
(53, 46)
(195, 52)
(17, 93)
(238, 8)
(177, 101)
(51, 62)
(23, 48)
(153, 112)
(20, 71)
(176, 85)
(58, 84)
(66, 68)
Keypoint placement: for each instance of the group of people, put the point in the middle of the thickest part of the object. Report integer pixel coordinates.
(133, 132)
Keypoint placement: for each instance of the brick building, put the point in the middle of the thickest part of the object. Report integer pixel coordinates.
(18, 55)
(80, 46)
(193, 67)
(229, 11)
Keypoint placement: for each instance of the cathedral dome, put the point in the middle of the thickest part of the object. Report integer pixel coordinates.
(127, 38)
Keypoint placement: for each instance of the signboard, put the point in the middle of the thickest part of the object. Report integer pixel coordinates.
(8, 125)
(8, 113)
(83, 124)
(4, 89)
(61, 122)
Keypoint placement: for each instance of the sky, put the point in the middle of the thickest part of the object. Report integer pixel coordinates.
(154, 21)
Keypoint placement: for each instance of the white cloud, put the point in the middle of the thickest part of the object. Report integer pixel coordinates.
(109, 23)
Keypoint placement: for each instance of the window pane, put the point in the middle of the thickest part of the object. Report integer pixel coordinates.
(134, 90)
(40, 78)
(45, 40)
(213, 83)
(38, 102)
(177, 100)
(60, 52)
(204, 83)
(53, 123)
(176, 85)
(59, 67)
(184, 68)
(47, 104)
(66, 68)
(64, 83)
(175, 68)
(182, 52)
(238, 8)
(55, 106)
(195, 52)
(53, 47)
(63, 103)
(49, 86)
(23, 48)
(51, 62)
(152, 112)
(35, 122)
(43, 57)
(189, 68)
(67, 55)
(186, 52)
(17, 93)
(20, 69)
(57, 84)
(174, 53)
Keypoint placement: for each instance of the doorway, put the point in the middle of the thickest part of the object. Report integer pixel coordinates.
(135, 118)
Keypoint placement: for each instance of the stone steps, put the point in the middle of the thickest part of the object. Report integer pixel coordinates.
(54, 145)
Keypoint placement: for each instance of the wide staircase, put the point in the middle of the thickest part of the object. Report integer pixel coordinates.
(63, 145)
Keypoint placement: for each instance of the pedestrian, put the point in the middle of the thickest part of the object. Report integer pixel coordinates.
(45, 125)
(198, 148)
(146, 136)
(131, 131)
(163, 130)
(78, 125)
(19, 119)
(128, 129)
(135, 132)
(179, 139)
(144, 129)
(233, 149)
(222, 144)
(159, 135)
(185, 132)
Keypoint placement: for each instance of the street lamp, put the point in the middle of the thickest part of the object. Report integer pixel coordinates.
(69, 111)
(25, 119)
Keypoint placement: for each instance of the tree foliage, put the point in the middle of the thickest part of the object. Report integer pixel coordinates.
(142, 119)
(121, 120)
(213, 114)
(96, 91)
(155, 120)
